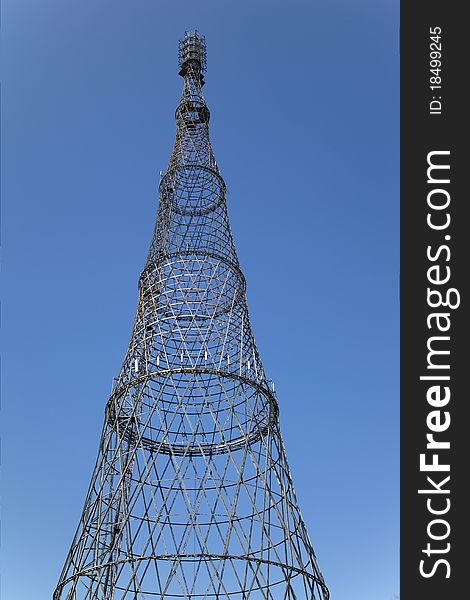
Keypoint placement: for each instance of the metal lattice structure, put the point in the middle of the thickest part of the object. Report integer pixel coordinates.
(191, 496)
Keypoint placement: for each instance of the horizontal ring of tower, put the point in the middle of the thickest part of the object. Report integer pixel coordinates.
(124, 424)
(264, 389)
(191, 286)
(284, 571)
(195, 252)
(202, 449)
(191, 113)
(192, 189)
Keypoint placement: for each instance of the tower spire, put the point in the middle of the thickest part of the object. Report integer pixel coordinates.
(191, 496)
(192, 55)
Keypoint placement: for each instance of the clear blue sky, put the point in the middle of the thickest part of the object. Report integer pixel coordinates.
(304, 103)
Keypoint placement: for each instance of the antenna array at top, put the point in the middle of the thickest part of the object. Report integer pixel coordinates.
(192, 48)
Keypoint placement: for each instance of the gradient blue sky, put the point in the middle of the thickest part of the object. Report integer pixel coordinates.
(304, 103)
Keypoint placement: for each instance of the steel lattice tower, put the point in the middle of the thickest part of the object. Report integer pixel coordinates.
(191, 496)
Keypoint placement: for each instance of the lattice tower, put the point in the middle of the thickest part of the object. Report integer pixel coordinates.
(191, 496)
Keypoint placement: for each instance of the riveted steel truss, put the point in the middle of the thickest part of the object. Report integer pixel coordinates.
(191, 496)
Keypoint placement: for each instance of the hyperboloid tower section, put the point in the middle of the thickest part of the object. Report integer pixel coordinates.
(191, 496)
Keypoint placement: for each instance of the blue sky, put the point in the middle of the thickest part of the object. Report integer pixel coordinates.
(304, 105)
